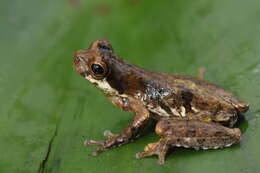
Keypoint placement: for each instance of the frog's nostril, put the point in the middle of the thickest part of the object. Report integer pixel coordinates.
(75, 60)
(78, 59)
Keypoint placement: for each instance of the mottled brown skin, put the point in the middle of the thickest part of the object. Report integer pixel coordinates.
(191, 112)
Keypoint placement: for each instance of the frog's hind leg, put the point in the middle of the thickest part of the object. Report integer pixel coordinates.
(189, 134)
(159, 148)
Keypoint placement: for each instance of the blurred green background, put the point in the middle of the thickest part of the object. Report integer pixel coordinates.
(47, 110)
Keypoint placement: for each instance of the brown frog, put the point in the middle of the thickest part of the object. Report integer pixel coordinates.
(191, 112)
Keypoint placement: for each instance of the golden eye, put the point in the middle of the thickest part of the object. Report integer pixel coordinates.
(99, 70)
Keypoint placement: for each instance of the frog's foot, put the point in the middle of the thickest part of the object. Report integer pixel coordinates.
(112, 140)
(159, 148)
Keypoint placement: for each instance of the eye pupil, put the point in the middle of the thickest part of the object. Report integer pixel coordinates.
(97, 69)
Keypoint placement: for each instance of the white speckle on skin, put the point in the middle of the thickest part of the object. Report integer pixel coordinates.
(194, 109)
(138, 95)
(104, 86)
(228, 145)
(183, 111)
(164, 92)
(157, 110)
(175, 112)
(156, 93)
(187, 139)
(205, 148)
(144, 97)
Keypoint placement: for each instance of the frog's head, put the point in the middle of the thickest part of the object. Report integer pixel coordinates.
(93, 64)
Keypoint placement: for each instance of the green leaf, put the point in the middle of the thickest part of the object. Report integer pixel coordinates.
(47, 110)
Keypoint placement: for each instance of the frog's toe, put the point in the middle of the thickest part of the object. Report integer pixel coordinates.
(105, 145)
(109, 134)
(99, 150)
(159, 148)
(141, 155)
(93, 143)
(161, 156)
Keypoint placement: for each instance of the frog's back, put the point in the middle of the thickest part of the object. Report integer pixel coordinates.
(208, 94)
(132, 80)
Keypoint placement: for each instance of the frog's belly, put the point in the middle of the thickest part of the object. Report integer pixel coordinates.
(179, 112)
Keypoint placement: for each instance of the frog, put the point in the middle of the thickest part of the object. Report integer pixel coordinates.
(189, 111)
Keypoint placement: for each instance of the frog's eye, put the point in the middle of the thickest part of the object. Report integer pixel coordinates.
(101, 45)
(99, 70)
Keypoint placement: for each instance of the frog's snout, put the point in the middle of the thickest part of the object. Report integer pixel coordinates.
(78, 60)
(80, 65)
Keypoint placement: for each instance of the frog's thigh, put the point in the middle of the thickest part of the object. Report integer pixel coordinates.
(197, 134)
(190, 134)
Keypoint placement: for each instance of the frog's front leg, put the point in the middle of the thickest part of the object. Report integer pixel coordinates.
(130, 132)
(189, 134)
